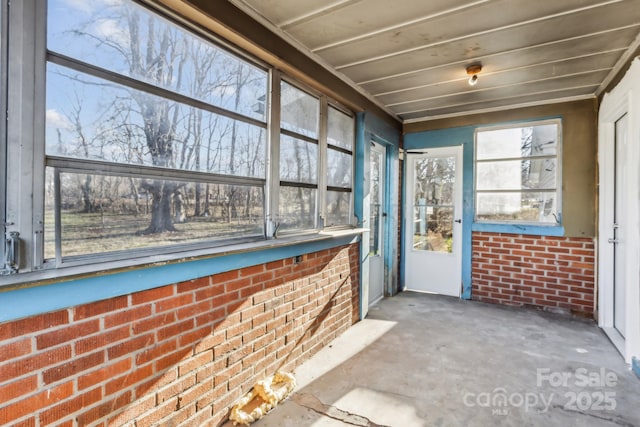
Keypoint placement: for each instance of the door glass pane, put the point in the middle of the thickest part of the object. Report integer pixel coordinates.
(375, 215)
(433, 229)
(434, 204)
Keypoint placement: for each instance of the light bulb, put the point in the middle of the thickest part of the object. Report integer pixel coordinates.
(473, 80)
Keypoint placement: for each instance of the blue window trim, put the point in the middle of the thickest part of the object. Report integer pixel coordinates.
(535, 230)
(29, 301)
(558, 191)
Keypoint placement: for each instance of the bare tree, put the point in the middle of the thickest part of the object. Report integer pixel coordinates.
(148, 127)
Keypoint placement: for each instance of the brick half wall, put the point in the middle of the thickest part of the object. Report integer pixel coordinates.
(554, 273)
(176, 355)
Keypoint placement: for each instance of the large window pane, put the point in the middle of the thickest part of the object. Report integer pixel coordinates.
(539, 140)
(520, 206)
(128, 39)
(338, 208)
(513, 167)
(340, 129)
(339, 166)
(90, 118)
(297, 208)
(517, 174)
(300, 112)
(101, 214)
(298, 160)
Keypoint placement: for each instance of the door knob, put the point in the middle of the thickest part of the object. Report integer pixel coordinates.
(459, 221)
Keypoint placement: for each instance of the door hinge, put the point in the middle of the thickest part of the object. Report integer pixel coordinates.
(11, 253)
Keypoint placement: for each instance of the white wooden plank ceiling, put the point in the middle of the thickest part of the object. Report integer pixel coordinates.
(411, 56)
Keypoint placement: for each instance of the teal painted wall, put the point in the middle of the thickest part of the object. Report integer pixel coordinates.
(446, 138)
(464, 135)
(371, 128)
(579, 154)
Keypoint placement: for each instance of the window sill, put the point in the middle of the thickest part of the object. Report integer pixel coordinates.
(534, 230)
(70, 287)
(105, 268)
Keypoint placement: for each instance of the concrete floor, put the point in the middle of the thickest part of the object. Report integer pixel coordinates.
(424, 360)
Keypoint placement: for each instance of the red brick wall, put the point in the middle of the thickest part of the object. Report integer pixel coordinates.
(555, 273)
(178, 353)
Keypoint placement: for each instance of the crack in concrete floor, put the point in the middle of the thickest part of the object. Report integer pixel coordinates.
(314, 404)
(615, 420)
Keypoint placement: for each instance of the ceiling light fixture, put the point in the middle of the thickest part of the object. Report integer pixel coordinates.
(473, 71)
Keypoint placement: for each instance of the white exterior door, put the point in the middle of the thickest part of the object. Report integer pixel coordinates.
(433, 221)
(377, 218)
(618, 241)
(619, 211)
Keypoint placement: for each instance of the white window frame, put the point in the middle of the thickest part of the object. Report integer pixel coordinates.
(325, 172)
(558, 187)
(319, 167)
(322, 185)
(25, 155)
(3, 127)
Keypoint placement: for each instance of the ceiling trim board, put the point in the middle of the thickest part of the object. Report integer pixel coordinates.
(337, 5)
(624, 58)
(495, 109)
(520, 95)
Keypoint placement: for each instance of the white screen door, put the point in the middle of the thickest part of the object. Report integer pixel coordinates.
(433, 215)
(377, 217)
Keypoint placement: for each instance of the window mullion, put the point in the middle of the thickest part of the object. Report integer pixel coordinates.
(3, 131)
(322, 163)
(99, 167)
(25, 127)
(513, 159)
(273, 156)
(520, 190)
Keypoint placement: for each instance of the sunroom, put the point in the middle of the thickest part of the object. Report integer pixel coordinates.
(196, 195)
